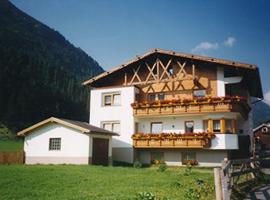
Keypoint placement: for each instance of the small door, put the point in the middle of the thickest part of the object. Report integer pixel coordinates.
(100, 151)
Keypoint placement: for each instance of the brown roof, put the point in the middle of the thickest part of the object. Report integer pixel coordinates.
(250, 71)
(84, 127)
(173, 53)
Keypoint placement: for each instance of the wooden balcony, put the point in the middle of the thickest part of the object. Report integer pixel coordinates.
(203, 105)
(172, 141)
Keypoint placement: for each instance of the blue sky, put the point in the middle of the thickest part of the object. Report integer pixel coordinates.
(114, 31)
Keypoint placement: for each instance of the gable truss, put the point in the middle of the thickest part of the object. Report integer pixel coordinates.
(159, 73)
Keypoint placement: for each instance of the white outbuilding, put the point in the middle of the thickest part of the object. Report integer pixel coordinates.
(62, 141)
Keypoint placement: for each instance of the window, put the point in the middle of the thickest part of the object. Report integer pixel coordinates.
(161, 96)
(189, 126)
(170, 70)
(152, 97)
(156, 127)
(136, 127)
(205, 126)
(55, 144)
(112, 99)
(228, 126)
(264, 130)
(216, 125)
(113, 126)
(199, 93)
(188, 156)
(156, 96)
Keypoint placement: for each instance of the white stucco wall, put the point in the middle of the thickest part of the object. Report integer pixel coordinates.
(122, 145)
(74, 145)
(122, 113)
(225, 141)
(177, 125)
(173, 157)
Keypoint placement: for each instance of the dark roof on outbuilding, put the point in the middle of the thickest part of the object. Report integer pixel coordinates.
(84, 127)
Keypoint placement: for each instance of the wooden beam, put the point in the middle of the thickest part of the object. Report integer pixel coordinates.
(222, 126)
(193, 71)
(234, 126)
(151, 73)
(125, 83)
(135, 75)
(165, 68)
(210, 126)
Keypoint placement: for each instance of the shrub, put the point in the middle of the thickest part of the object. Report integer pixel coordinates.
(137, 164)
(188, 170)
(146, 196)
(162, 167)
(200, 190)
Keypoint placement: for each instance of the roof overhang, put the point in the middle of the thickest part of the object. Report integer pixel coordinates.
(173, 53)
(67, 123)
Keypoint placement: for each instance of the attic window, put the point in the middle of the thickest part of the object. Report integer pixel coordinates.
(264, 130)
(170, 70)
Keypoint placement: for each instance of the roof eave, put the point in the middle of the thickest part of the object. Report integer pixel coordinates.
(173, 53)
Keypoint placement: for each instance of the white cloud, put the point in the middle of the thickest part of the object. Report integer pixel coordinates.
(267, 97)
(204, 46)
(229, 42)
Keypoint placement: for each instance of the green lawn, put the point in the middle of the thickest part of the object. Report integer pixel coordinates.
(11, 145)
(96, 182)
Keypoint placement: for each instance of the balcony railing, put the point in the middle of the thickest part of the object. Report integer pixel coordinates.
(172, 140)
(196, 105)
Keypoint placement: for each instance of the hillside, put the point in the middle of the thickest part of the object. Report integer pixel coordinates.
(40, 71)
(261, 113)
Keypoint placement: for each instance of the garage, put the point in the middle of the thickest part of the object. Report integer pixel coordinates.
(63, 141)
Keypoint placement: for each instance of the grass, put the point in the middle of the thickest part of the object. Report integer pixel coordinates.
(11, 145)
(96, 182)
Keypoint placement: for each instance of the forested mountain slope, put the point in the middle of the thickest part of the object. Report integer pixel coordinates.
(40, 72)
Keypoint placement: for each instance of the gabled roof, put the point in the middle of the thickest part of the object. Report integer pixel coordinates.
(173, 53)
(260, 126)
(84, 127)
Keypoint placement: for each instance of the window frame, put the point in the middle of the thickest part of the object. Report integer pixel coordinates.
(151, 126)
(156, 95)
(184, 156)
(198, 91)
(218, 120)
(111, 94)
(53, 144)
(102, 123)
(186, 126)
